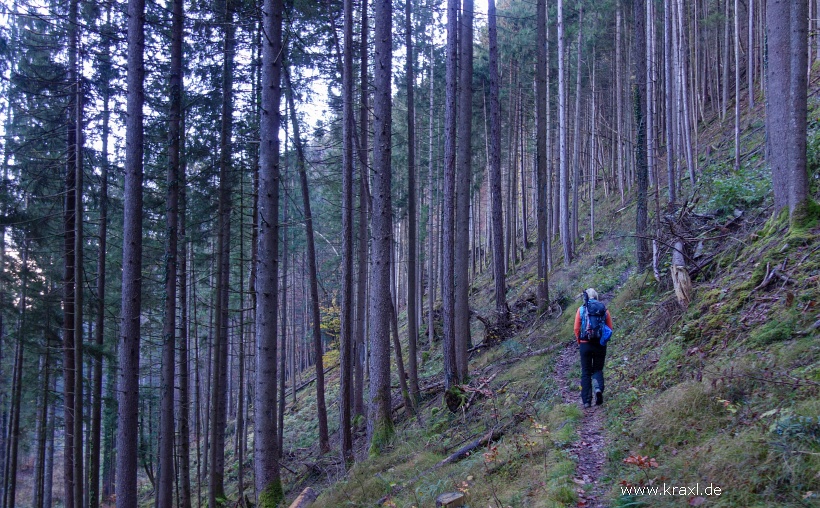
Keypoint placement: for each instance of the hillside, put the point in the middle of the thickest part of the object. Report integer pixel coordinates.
(722, 393)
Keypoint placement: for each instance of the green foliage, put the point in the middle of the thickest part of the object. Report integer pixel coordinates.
(728, 190)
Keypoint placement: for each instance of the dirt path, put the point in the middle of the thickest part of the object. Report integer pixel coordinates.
(589, 448)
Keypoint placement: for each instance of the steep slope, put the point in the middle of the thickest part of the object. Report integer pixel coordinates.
(722, 393)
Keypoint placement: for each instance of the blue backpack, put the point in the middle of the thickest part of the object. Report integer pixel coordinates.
(593, 321)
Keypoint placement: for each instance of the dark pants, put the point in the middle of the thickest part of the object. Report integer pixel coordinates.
(592, 369)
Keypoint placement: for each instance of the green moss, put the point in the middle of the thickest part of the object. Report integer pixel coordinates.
(271, 495)
(383, 431)
(671, 356)
(805, 215)
(775, 330)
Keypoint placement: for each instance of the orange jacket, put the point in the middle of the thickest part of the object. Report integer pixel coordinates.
(578, 323)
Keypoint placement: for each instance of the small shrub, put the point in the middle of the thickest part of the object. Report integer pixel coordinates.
(730, 190)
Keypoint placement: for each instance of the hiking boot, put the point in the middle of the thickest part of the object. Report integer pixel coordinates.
(599, 397)
(587, 405)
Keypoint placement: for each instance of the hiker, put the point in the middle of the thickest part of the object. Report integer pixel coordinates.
(592, 336)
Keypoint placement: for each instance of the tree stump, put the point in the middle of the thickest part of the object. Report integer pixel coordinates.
(450, 500)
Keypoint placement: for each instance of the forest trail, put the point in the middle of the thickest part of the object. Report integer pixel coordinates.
(589, 447)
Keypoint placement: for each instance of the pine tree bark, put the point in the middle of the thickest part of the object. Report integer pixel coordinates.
(69, 306)
(412, 213)
(17, 390)
(576, 141)
(499, 275)
(128, 400)
(380, 424)
(184, 371)
(737, 85)
(464, 169)
(165, 470)
(448, 224)
(431, 215)
(750, 65)
(79, 478)
(566, 240)
(786, 36)
(266, 454)
(671, 174)
(364, 204)
(541, 151)
(346, 319)
(219, 384)
(313, 277)
(619, 102)
(639, 106)
(42, 423)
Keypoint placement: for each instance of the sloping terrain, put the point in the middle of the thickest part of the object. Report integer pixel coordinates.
(724, 392)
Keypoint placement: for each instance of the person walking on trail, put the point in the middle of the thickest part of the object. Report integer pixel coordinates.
(593, 328)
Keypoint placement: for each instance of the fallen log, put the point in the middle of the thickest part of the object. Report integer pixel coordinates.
(466, 450)
(305, 499)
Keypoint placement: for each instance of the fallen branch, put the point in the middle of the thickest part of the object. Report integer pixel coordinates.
(529, 355)
(466, 450)
(478, 390)
(492, 436)
(311, 380)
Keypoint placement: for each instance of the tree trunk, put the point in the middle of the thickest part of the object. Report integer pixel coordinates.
(128, 391)
(364, 205)
(412, 228)
(17, 390)
(42, 423)
(650, 94)
(499, 275)
(96, 410)
(737, 86)
(448, 225)
(431, 268)
(640, 107)
(562, 140)
(347, 336)
(750, 66)
(671, 174)
(619, 102)
(69, 306)
(313, 277)
(541, 176)
(48, 468)
(184, 374)
(461, 252)
(284, 302)
(266, 454)
(380, 424)
(165, 471)
(576, 142)
(219, 384)
(725, 60)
